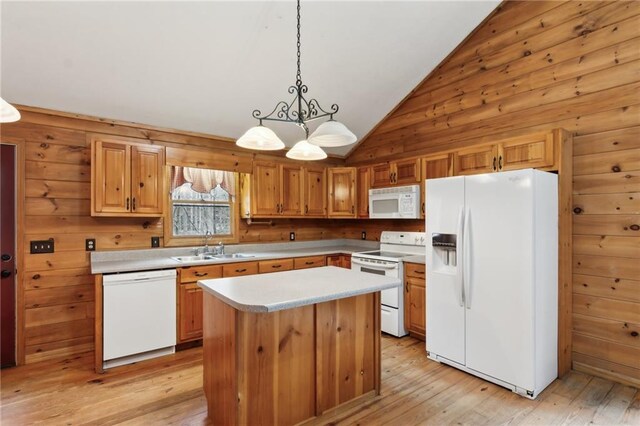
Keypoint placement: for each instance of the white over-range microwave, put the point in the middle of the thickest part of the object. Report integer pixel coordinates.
(399, 202)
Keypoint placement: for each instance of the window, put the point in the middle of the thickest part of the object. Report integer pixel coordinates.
(202, 201)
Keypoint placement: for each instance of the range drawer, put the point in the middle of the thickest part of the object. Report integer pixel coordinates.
(415, 270)
(239, 269)
(308, 262)
(194, 273)
(277, 265)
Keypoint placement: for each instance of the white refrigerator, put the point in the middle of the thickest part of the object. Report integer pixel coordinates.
(492, 276)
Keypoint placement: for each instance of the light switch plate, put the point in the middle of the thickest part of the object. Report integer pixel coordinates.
(155, 242)
(41, 246)
(292, 236)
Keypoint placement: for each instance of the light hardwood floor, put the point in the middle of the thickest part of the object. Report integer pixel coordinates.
(414, 391)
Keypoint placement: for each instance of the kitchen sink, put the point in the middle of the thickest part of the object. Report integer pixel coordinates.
(209, 256)
(197, 258)
(233, 256)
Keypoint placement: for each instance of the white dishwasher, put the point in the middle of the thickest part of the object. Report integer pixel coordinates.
(139, 316)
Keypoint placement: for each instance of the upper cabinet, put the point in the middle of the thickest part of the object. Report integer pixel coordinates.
(284, 190)
(401, 172)
(315, 192)
(535, 150)
(126, 178)
(363, 183)
(342, 191)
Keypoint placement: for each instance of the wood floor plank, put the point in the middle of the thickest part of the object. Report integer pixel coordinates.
(168, 391)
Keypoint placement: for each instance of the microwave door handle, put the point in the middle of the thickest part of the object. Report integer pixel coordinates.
(460, 258)
(373, 266)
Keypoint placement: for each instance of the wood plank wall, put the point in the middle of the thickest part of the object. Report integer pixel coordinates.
(58, 287)
(537, 66)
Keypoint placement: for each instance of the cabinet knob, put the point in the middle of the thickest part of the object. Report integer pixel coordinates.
(500, 162)
(201, 274)
(494, 163)
(127, 203)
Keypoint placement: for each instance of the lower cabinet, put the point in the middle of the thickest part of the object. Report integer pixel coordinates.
(339, 260)
(415, 300)
(189, 321)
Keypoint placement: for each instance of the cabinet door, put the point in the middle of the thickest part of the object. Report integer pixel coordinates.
(381, 175)
(276, 265)
(475, 160)
(147, 171)
(189, 312)
(308, 262)
(342, 189)
(291, 199)
(265, 189)
(406, 172)
(534, 150)
(334, 260)
(437, 166)
(315, 192)
(417, 313)
(112, 177)
(346, 261)
(363, 184)
(239, 269)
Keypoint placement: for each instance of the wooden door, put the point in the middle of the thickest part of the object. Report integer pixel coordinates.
(534, 150)
(363, 183)
(381, 175)
(8, 155)
(474, 160)
(437, 166)
(342, 191)
(416, 324)
(190, 312)
(112, 177)
(315, 192)
(291, 190)
(265, 189)
(406, 172)
(147, 182)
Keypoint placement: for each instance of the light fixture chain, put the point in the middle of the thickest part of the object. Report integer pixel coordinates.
(299, 74)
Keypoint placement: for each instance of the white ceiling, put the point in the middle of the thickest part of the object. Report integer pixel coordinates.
(204, 66)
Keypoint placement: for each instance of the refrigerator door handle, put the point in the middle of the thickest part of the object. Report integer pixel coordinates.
(466, 249)
(460, 258)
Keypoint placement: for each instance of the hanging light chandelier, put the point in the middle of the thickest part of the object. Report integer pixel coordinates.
(8, 113)
(299, 111)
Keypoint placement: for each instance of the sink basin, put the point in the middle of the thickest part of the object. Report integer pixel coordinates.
(233, 256)
(200, 257)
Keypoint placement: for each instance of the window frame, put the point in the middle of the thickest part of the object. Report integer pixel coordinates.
(171, 240)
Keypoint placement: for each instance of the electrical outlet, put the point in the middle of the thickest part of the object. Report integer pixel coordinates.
(155, 242)
(41, 246)
(292, 236)
(90, 244)
(364, 235)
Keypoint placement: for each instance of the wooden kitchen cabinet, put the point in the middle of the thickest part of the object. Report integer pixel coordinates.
(363, 183)
(265, 189)
(127, 179)
(291, 194)
(535, 151)
(315, 192)
(401, 172)
(342, 192)
(475, 160)
(415, 314)
(433, 167)
(339, 260)
(239, 269)
(309, 262)
(275, 265)
(189, 318)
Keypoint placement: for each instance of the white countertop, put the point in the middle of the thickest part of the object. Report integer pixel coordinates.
(145, 260)
(291, 289)
(418, 258)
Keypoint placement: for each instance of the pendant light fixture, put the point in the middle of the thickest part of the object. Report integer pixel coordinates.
(8, 113)
(299, 111)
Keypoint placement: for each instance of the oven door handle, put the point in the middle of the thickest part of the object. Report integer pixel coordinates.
(372, 266)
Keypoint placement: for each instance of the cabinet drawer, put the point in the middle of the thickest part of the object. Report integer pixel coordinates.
(308, 262)
(415, 270)
(275, 265)
(238, 269)
(204, 272)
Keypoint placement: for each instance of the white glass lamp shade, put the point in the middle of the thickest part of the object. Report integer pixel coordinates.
(261, 138)
(303, 150)
(332, 134)
(8, 113)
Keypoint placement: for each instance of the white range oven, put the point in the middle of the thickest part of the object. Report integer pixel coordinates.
(394, 246)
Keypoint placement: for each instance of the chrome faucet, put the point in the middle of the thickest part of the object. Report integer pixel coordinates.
(220, 248)
(207, 236)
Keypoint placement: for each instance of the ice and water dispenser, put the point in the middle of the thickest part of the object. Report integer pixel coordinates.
(444, 251)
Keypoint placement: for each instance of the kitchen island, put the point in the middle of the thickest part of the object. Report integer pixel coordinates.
(286, 347)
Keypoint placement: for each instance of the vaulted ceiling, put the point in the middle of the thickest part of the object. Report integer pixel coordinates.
(205, 66)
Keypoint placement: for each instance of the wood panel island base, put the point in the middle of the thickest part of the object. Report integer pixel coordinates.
(288, 347)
